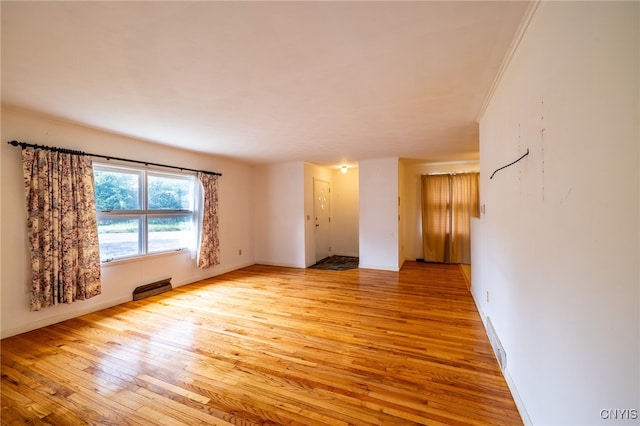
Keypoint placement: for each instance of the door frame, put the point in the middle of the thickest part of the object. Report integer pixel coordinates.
(318, 227)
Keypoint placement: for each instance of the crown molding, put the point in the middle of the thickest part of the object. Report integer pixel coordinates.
(515, 43)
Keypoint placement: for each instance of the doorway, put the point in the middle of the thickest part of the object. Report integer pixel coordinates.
(448, 203)
(322, 217)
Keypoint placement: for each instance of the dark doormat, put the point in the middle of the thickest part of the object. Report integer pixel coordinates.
(337, 263)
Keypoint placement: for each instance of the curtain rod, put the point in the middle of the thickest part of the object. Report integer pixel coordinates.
(461, 172)
(24, 145)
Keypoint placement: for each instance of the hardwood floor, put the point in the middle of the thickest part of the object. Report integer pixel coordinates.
(268, 345)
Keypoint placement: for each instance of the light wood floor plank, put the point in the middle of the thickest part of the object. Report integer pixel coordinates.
(267, 345)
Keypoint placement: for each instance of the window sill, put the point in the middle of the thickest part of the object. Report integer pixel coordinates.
(143, 258)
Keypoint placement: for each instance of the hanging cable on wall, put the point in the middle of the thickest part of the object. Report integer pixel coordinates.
(510, 164)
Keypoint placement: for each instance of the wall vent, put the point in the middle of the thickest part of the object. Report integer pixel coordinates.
(152, 289)
(498, 350)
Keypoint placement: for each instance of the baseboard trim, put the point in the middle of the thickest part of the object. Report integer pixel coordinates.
(63, 317)
(522, 410)
(524, 415)
(283, 265)
(379, 267)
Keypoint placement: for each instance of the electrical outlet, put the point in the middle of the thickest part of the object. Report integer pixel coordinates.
(240, 252)
(487, 296)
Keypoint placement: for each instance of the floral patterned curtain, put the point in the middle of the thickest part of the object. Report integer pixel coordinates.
(209, 247)
(62, 227)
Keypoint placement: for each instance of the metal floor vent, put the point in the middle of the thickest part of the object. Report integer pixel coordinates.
(498, 350)
(152, 289)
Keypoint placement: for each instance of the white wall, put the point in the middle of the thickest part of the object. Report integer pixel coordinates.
(118, 278)
(557, 250)
(378, 230)
(401, 210)
(279, 214)
(412, 199)
(345, 214)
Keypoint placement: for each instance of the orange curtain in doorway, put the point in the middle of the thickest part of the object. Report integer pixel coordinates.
(448, 203)
(465, 204)
(436, 199)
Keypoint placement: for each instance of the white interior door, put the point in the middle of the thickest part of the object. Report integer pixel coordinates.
(322, 216)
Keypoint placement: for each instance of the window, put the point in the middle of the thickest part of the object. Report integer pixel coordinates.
(143, 212)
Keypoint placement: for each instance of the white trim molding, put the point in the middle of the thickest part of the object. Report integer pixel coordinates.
(517, 38)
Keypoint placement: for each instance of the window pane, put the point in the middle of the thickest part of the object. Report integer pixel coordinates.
(116, 190)
(118, 238)
(169, 193)
(169, 233)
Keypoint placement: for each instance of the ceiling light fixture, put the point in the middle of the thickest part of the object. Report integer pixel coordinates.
(344, 169)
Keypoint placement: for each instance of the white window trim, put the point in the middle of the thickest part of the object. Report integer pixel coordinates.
(144, 213)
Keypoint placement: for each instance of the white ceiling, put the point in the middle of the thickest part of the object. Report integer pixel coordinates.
(261, 82)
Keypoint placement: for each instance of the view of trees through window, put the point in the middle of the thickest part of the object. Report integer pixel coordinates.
(142, 212)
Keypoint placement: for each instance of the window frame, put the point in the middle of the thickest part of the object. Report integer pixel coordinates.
(143, 214)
